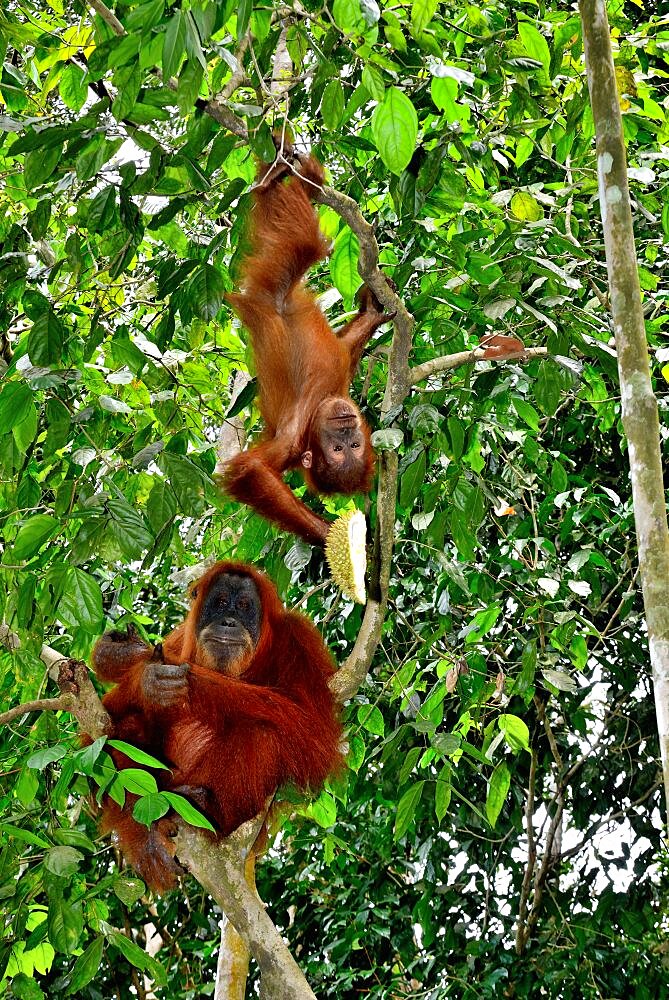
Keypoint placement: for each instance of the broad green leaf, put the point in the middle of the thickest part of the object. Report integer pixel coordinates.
(150, 808)
(24, 987)
(73, 87)
(344, 264)
(40, 164)
(145, 16)
(323, 810)
(406, 809)
(127, 81)
(65, 923)
(16, 402)
(128, 889)
(187, 811)
(27, 786)
(41, 758)
(138, 782)
(206, 291)
(412, 480)
(63, 860)
(101, 209)
(535, 44)
(45, 340)
(372, 79)
(422, 12)
(244, 10)
(32, 535)
(516, 733)
(498, 788)
(137, 755)
(395, 129)
(86, 966)
(348, 16)
(525, 207)
(81, 603)
(174, 47)
(332, 105)
(371, 719)
(526, 412)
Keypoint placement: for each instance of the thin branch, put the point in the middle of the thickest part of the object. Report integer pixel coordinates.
(531, 856)
(62, 704)
(449, 361)
(107, 16)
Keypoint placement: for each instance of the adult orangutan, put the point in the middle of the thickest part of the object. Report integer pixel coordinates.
(304, 368)
(236, 701)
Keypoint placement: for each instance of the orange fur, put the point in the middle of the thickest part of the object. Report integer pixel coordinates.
(235, 738)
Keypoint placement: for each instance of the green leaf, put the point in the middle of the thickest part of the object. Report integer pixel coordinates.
(187, 811)
(45, 340)
(127, 80)
(412, 479)
(38, 219)
(63, 860)
(39, 164)
(18, 833)
(344, 264)
(516, 733)
(65, 923)
(86, 966)
(73, 87)
(41, 758)
(395, 129)
(406, 809)
(32, 535)
(101, 209)
(348, 16)
(128, 889)
(150, 808)
(81, 602)
(16, 403)
(526, 412)
(525, 207)
(535, 44)
(323, 810)
(25, 988)
(498, 787)
(145, 17)
(137, 755)
(206, 291)
(27, 786)
(422, 12)
(138, 782)
(442, 792)
(332, 105)
(174, 47)
(138, 957)
(244, 9)
(371, 719)
(372, 80)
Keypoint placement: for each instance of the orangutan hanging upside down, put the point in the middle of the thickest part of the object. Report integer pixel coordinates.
(304, 368)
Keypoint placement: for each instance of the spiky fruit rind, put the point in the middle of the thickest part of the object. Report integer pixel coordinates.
(346, 553)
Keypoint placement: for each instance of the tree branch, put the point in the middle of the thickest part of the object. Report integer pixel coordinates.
(64, 703)
(449, 361)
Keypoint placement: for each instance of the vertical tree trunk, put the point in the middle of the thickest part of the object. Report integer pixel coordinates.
(639, 407)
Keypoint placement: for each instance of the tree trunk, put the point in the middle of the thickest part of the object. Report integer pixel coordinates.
(639, 407)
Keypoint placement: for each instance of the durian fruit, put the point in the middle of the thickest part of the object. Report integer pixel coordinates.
(346, 554)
